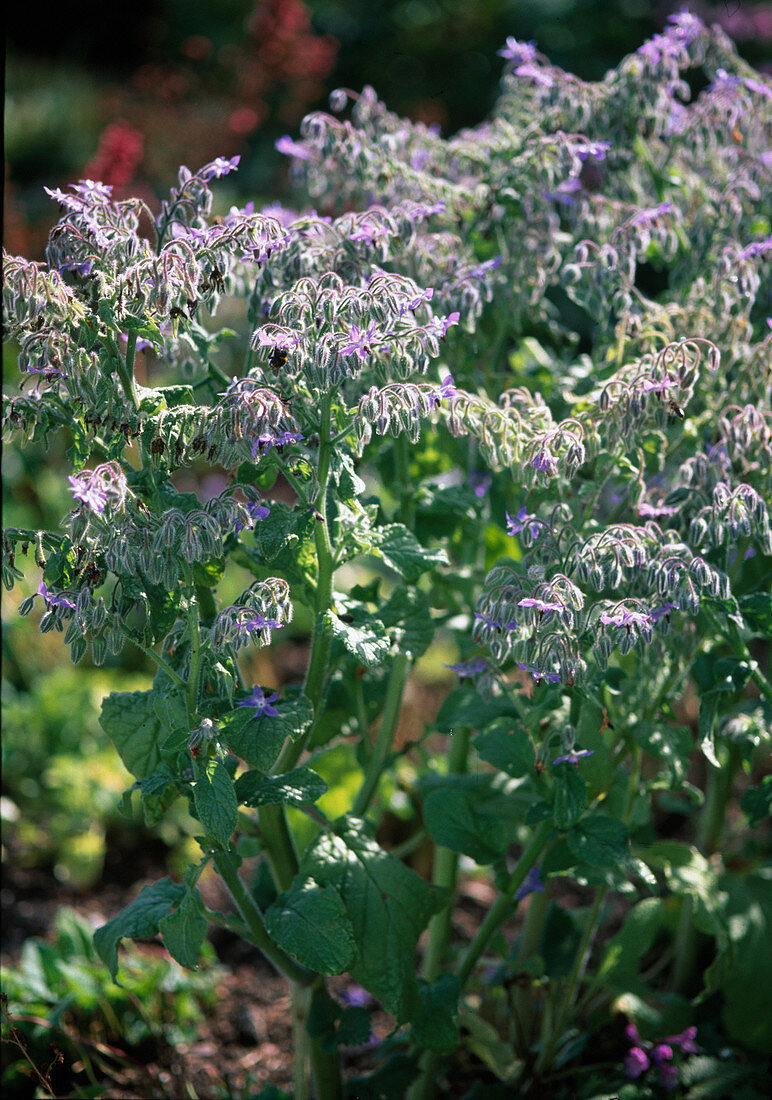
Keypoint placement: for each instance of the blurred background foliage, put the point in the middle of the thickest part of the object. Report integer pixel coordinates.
(127, 94)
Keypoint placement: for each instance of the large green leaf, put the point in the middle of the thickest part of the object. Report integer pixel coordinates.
(215, 801)
(367, 639)
(570, 795)
(434, 1025)
(672, 744)
(624, 954)
(400, 549)
(465, 708)
(506, 746)
(296, 787)
(407, 614)
(140, 919)
(599, 840)
(388, 906)
(184, 930)
(460, 814)
(130, 720)
(747, 980)
(310, 922)
(258, 738)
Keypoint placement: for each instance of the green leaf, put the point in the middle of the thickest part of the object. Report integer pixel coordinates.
(388, 905)
(368, 640)
(138, 920)
(130, 720)
(672, 744)
(400, 549)
(258, 739)
(408, 615)
(278, 530)
(309, 921)
(757, 612)
(184, 930)
(625, 953)
(460, 816)
(756, 803)
(465, 708)
(295, 788)
(434, 1026)
(689, 874)
(391, 1081)
(570, 795)
(177, 395)
(507, 747)
(747, 982)
(215, 801)
(707, 721)
(599, 840)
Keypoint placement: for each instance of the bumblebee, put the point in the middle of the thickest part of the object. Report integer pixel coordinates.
(675, 410)
(278, 359)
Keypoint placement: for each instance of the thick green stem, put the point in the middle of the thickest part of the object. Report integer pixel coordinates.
(548, 1050)
(501, 908)
(320, 643)
(709, 829)
(253, 918)
(385, 737)
(194, 672)
(445, 870)
(125, 367)
(522, 996)
(279, 844)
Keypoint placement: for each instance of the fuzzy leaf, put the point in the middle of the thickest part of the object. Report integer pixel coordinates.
(459, 816)
(434, 1026)
(367, 640)
(407, 614)
(258, 739)
(215, 801)
(388, 905)
(130, 720)
(184, 930)
(599, 840)
(506, 747)
(294, 788)
(139, 919)
(401, 550)
(309, 921)
(570, 796)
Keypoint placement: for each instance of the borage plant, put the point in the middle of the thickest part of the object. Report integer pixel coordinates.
(525, 375)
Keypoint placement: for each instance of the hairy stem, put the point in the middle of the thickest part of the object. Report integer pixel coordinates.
(385, 738)
(253, 918)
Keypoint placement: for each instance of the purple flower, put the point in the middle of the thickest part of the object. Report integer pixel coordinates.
(657, 613)
(447, 389)
(277, 339)
(486, 620)
(539, 674)
(360, 343)
(565, 191)
(544, 606)
(141, 344)
(757, 248)
(537, 75)
(369, 233)
(220, 166)
(532, 884)
(595, 149)
(423, 210)
(636, 1062)
(479, 483)
(264, 443)
(261, 622)
(256, 511)
(668, 1075)
(624, 617)
(517, 52)
(662, 1053)
(291, 148)
(573, 756)
(686, 1040)
(91, 494)
(54, 599)
(355, 995)
(650, 214)
(440, 325)
(519, 522)
(468, 668)
(545, 461)
(261, 702)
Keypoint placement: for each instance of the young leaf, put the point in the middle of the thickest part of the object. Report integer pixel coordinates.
(570, 796)
(258, 739)
(599, 840)
(400, 549)
(130, 720)
(367, 640)
(139, 919)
